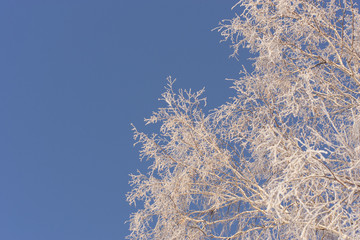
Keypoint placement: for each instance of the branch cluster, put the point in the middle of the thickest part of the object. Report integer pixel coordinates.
(281, 159)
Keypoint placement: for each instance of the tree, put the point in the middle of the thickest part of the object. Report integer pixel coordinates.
(281, 159)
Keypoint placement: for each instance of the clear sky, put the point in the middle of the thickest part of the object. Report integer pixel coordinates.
(74, 75)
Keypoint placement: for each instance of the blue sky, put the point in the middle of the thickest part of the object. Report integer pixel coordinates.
(74, 75)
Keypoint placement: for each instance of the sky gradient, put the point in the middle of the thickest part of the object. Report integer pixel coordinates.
(74, 75)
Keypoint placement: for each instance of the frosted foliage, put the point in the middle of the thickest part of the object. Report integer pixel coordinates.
(281, 159)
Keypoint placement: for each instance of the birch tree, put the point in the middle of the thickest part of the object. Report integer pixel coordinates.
(280, 159)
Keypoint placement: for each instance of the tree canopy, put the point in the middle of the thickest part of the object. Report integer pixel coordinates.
(281, 159)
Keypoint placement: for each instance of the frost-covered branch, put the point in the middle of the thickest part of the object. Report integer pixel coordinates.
(281, 159)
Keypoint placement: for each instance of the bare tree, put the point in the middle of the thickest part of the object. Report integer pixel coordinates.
(281, 159)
